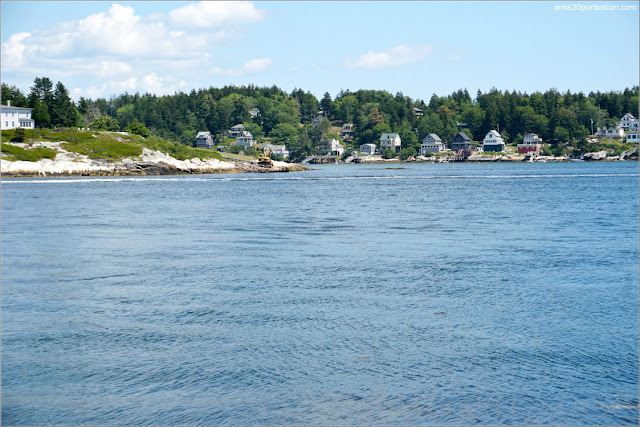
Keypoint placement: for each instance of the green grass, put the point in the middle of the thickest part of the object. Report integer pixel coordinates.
(15, 153)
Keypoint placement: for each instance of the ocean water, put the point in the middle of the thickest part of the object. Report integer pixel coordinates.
(413, 294)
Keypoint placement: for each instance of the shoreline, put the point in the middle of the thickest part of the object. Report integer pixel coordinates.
(150, 163)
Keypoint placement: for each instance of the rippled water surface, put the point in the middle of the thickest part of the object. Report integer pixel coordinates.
(350, 295)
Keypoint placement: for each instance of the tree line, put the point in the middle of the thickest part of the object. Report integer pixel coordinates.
(559, 118)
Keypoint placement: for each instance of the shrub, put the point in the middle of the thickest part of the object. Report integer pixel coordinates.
(251, 151)
(138, 129)
(105, 123)
(236, 149)
(388, 154)
(16, 153)
(405, 153)
(18, 135)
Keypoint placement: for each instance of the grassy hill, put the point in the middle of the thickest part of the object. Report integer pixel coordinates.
(96, 145)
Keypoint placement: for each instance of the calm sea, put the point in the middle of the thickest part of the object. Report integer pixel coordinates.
(347, 295)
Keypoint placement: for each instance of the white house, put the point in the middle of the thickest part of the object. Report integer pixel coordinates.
(530, 143)
(204, 139)
(277, 150)
(632, 132)
(368, 149)
(390, 140)
(493, 142)
(236, 130)
(254, 112)
(432, 143)
(333, 147)
(16, 117)
(614, 133)
(245, 139)
(626, 120)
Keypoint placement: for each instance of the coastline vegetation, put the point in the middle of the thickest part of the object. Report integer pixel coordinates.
(564, 121)
(15, 153)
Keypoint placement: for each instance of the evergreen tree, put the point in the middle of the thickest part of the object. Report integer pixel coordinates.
(63, 112)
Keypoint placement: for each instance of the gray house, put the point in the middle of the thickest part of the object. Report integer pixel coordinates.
(461, 142)
(236, 130)
(347, 131)
(432, 143)
(204, 140)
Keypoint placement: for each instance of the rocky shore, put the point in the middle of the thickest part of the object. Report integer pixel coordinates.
(150, 163)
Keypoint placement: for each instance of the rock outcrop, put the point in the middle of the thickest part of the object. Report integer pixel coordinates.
(150, 163)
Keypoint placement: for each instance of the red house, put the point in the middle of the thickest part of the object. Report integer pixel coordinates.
(531, 144)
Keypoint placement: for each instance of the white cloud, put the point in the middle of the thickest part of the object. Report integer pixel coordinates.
(96, 92)
(209, 14)
(125, 85)
(118, 50)
(393, 57)
(251, 67)
(109, 69)
(13, 50)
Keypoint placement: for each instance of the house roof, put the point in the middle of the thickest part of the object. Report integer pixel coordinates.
(347, 124)
(368, 145)
(496, 133)
(205, 134)
(240, 125)
(417, 109)
(247, 134)
(464, 136)
(630, 115)
(6, 107)
(390, 135)
(435, 137)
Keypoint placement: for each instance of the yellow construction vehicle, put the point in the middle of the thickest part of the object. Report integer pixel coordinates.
(264, 159)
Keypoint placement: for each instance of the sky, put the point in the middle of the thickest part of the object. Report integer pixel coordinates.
(419, 48)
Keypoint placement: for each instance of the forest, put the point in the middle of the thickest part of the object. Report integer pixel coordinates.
(559, 118)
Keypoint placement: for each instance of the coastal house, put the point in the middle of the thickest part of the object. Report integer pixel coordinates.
(461, 142)
(417, 111)
(16, 117)
(493, 141)
(316, 121)
(277, 150)
(531, 143)
(332, 147)
(347, 131)
(245, 139)
(254, 112)
(462, 145)
(204, 140)
(610, 133)
(432, 143)
(632, 132)
(626, 120)
(390, 140)
(236, 130)
(368, 149)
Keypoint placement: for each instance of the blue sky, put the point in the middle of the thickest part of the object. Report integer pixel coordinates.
(418, 48)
